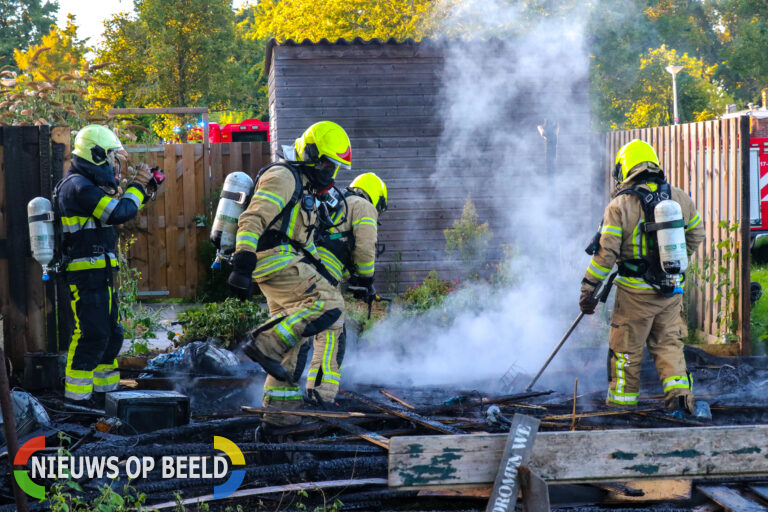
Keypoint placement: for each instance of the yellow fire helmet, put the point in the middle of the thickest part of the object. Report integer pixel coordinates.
(95, 142)
(632, 154)
(374, 187)
(324, 142)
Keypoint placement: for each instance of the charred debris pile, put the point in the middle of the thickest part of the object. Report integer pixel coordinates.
(341, 452)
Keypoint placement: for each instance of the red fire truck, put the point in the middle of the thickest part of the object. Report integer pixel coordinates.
(250, 130)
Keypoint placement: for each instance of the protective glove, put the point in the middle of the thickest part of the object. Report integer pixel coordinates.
(143, 176)
(362, 282)
(588, 300)
(241, 278)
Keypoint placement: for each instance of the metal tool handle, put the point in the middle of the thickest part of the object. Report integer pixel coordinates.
(602, 296)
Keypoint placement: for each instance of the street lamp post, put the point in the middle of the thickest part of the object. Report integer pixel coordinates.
(674, 70)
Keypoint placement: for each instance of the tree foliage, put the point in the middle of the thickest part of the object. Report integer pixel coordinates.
(175, 53)
(22, 24)
(54, 84)
(333, 19)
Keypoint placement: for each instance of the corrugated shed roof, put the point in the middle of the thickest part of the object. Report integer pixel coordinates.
(358, 41)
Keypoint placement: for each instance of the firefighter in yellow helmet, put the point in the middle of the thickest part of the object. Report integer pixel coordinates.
(275, 248)
(346, 242)
(649, 303)
(89, 208)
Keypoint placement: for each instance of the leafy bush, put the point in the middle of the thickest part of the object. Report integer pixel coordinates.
(469, 238)
(229, 321)
(429, 294)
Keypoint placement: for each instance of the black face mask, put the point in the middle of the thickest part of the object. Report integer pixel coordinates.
(102, 175)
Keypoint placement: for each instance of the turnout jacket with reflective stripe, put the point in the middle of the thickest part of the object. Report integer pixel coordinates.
(274, 190)
(621, 237)
(87, 215)
(352, 245)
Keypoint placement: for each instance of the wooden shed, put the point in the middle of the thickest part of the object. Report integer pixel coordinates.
(390, 98)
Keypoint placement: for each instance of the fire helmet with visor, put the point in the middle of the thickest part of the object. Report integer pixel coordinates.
(324, 147)
(374, 187)
(101, 153)
(633, 158)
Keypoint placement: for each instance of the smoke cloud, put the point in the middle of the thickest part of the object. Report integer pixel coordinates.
(520, 76)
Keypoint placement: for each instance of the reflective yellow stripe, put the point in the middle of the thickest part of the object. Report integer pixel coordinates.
(90, 263)
(104, 208)
(247, 238)
(611, 230)
(365, 268)
(135, 195)
(597, 270)
(367, 221)
(77, 383)
(272, 198)
(330, 262)
(632, 282)
(695, 221)
(294, 216)
(103, 381)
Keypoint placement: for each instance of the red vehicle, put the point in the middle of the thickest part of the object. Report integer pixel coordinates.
(250, 130)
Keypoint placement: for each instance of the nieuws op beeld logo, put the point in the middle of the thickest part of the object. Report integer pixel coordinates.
(181, 466)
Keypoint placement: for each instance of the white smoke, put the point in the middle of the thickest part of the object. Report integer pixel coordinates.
(496, 93)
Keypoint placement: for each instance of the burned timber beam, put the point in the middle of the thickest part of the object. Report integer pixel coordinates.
(424, 462)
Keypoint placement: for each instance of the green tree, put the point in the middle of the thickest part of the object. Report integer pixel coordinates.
(54, 84)
(59, 52)
(626, 74)
(744, 36)
(22, 24)
(333, 19)
(647, 100)
(174, 53)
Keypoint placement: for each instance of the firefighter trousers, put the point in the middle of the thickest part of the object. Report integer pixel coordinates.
(324, 374)
(654, 321)
(301, 305)
(97, 335)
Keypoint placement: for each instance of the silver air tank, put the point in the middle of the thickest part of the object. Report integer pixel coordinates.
(233, 201)
(41, 236)
(672, 249)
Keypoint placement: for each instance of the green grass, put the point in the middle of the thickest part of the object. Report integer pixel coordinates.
(759, 316)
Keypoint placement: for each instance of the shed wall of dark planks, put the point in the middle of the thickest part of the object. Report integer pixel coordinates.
(388, 96)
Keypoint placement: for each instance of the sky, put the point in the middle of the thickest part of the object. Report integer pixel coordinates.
(90, 15)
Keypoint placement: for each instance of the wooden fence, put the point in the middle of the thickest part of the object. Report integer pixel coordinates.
(710, 161)
(169, 229)
(32, 160)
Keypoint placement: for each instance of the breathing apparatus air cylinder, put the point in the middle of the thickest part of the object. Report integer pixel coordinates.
(235, 196)
(41, 232)
(673, 255)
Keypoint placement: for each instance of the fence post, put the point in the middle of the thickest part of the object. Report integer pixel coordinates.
(745, 306)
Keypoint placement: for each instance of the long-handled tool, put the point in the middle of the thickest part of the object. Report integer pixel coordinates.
(602, 295)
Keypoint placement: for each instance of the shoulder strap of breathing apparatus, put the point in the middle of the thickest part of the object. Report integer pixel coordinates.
(277, 236)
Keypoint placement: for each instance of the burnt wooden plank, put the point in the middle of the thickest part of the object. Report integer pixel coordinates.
(406, 415)
(584, 457)
(730, 499)
(517, 452)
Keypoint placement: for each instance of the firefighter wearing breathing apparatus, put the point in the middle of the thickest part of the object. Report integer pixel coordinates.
(347, 248)
(649, 229)
(275, 247)
(88, 246)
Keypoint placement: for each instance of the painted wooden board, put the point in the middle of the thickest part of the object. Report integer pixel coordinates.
(419, 462)
(730, 499)
(517, 452)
